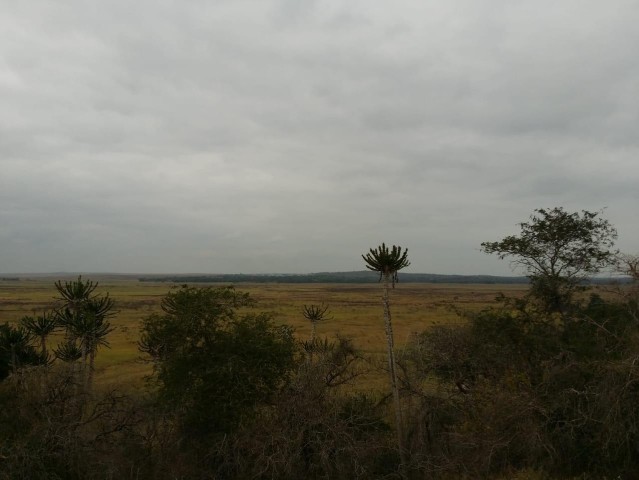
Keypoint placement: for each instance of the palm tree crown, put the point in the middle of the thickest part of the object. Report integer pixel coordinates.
(40, 326)
(315, 314)
(387, 261)
(75, 291)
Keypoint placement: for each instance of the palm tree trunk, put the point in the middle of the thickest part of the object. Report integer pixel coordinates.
(399, 425)
(14, 359)
(43, 345)
(85, 366)
(89, 383)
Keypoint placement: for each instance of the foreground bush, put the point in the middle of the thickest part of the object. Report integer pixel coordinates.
(214, 366)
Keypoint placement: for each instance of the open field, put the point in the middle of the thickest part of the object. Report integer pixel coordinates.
(355, 311)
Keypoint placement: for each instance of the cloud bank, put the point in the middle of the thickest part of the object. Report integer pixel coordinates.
(283, 136)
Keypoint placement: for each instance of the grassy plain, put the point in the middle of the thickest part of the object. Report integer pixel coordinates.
(355, 311)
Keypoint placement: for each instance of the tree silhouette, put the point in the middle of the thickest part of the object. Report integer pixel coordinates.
(388, 262)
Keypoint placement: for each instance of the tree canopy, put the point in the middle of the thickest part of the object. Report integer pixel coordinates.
(386, 261)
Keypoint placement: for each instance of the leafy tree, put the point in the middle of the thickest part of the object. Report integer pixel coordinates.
(388, 262)
(213, 365)
(558, 250)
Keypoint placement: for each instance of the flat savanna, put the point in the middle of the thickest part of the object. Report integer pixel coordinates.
(355, 311)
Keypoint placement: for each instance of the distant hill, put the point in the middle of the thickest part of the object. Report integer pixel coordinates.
(364, 276)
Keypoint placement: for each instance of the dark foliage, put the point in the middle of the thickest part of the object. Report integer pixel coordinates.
(213, 365)
(16, 351)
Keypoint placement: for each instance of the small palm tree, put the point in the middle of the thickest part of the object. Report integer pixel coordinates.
(314, 314)
(89, 327)
(41, 327)
(388, 262)
(68, 352)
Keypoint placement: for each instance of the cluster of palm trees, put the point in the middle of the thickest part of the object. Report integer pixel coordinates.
(83, 316)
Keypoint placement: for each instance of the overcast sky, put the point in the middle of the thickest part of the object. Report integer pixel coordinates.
(291, 136)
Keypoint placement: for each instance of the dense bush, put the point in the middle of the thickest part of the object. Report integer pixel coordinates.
(212, 365)
(522, 388)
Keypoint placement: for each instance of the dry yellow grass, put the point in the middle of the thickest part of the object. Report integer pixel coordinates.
(355, 311)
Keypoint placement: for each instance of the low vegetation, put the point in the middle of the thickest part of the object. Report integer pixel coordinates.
(539, 385)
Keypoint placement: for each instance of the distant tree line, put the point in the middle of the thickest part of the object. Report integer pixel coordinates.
(332, 277)
(540, 387)
(363, 277)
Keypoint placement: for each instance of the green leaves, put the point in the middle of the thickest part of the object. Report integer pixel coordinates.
(190, 302)
(558, 250)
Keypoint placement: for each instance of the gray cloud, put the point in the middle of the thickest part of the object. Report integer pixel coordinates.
(281, 136)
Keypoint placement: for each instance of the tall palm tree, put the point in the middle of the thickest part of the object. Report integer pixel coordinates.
(388, 262)
(84, 316)
(90, 327)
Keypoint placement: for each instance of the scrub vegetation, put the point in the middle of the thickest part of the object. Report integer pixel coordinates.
(124, 379)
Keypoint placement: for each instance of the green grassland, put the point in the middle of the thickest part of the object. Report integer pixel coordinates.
(354, 309)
